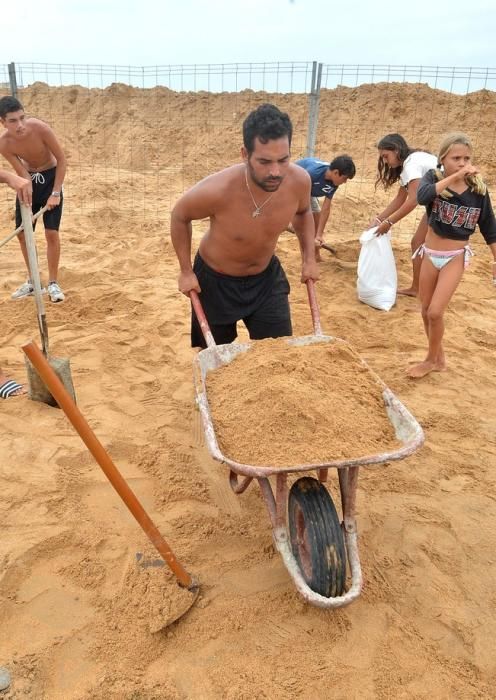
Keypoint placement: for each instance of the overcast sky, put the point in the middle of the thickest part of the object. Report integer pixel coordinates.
(163, 32)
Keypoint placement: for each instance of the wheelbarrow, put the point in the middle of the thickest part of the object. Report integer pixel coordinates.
(319, 550)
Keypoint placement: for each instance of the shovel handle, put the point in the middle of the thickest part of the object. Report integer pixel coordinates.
(34, 274)
(77, 419)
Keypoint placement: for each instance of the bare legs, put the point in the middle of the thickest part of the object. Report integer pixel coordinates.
(416, 242)
(436, 289)
(53, 252)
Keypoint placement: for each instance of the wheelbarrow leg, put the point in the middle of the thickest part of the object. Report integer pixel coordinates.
(343, 487)
(348, 482)
(276, 505)
(236, 486)
(269, 499)
(323, 475)
(281, 499)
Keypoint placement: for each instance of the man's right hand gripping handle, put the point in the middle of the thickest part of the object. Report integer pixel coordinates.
(188, 281)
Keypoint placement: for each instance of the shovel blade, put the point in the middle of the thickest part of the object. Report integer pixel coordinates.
(37, 389)
(150, 596)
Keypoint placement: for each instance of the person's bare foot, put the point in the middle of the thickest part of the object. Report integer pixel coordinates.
(423, 368)
(409, 292)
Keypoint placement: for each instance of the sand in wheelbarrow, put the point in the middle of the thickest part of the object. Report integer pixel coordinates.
(284, 405)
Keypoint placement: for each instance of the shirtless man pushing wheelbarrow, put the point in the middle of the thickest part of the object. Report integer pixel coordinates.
(249, 206)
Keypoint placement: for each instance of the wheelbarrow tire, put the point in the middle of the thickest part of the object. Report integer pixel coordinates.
(316, 537)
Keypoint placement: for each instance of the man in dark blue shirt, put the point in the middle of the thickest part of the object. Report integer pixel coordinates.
(326, 178)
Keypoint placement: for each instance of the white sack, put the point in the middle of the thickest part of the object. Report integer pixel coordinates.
(377, 280)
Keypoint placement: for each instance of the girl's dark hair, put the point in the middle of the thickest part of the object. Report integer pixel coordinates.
(386, 175)
(266, 123)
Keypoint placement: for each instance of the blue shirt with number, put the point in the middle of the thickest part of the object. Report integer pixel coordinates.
(317, 169)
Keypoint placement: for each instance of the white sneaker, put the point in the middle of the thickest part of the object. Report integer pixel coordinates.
(25, 290)
(55, 293)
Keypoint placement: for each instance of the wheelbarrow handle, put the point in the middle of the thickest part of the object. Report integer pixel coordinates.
(207, 333)
(314, 307)
(202, 319)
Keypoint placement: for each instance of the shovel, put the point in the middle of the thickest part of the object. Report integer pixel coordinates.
(37, 389)
(190, 588)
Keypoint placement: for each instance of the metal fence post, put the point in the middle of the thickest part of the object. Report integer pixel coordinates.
(313, 110)
(12, 80)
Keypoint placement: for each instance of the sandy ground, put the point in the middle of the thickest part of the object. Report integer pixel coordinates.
(72, 620)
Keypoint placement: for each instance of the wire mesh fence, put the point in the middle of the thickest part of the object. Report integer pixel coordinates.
(137, 137)
(223, 77)
(232, 77)
(458, 80)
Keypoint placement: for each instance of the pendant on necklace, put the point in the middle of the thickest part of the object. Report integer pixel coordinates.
(256, 213)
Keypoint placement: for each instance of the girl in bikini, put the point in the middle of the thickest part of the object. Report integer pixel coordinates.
(457, 200)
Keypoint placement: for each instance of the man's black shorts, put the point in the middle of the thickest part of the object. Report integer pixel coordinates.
(260, 301)
(42, 189)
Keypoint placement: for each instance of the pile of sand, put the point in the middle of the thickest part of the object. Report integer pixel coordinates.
(282, 405)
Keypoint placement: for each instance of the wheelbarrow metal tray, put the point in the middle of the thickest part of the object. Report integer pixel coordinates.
(406, 427)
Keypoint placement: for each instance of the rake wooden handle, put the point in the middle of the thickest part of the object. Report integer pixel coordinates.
(89, 438)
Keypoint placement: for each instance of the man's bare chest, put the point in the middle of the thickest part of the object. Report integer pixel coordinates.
(31, 150)
(264, 217)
